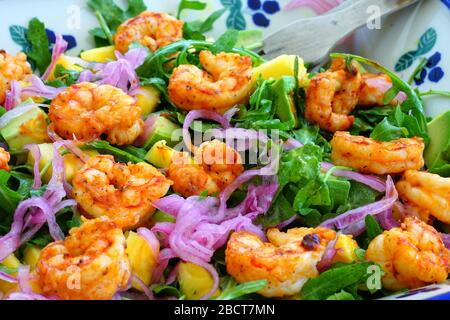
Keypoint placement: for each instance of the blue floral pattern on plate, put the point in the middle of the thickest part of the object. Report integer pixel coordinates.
(261, 9)
(431, 68)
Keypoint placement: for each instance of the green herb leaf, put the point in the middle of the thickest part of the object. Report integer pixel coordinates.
(167, 290)
(373, 229)
(226, 42)
(110, 16)
(231, 290)
(123, 155)
(191, 5)
(341, 295)
(334, 280)
(39, 52)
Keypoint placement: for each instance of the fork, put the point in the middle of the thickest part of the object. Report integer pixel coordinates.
(313, 38)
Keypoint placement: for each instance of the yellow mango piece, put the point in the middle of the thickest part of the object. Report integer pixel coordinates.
(160, 155)
(66, 63)
(195, 281)
(148, 98)
(142, 259)
(72, 163)
(279, 67)
(102, 54)
(345, 246)
(11, 262)
(31, 255)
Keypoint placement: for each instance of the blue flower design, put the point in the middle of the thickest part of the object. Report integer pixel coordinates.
(431, 70)
(271, 7)
(254, 4)
(260, 20)
(434, 60)
(261, 9)
(421, 78)
(436, 74)
(71, 41)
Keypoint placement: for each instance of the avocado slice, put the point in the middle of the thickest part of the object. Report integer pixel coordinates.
(283, 100)
(160, 128)
(29, 127)
(437, 153)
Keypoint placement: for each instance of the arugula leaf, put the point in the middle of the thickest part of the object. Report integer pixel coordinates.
(160, 216)
(300, 165)
(443, 171)
(123, 154)
(110, 16)
(8, 197)
(167, 290)
(281, 210)
(191, 5)
(341, 295)
(104, 28)
(195, 29)
(39, 52)
(226, 42)
(311, 134)
(75, 221)
(231, 290)
(303, 189)
(386, 131)
(359, 195)
(334, 280)
(397, 125)
(373, 229)
(186, 53)
(135, 7)
(63, 77)
(111, 12)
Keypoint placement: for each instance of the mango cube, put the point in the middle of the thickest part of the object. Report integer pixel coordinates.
(345, 246)
(11, 262)
(195, 281)
(31, 255)
(102, 54)
(148, 98)
(281, 66)
(142, 259)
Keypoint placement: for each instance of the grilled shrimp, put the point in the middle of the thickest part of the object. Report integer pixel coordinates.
(287, 261)
(151, 29)
(87, 111)
(426, 193)
(411, 256)
(90, 264)
(371, 156)
(334, 94)
(12, 68)
(214, 167)
(224, 82)
(122, 192)
(4, 159)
